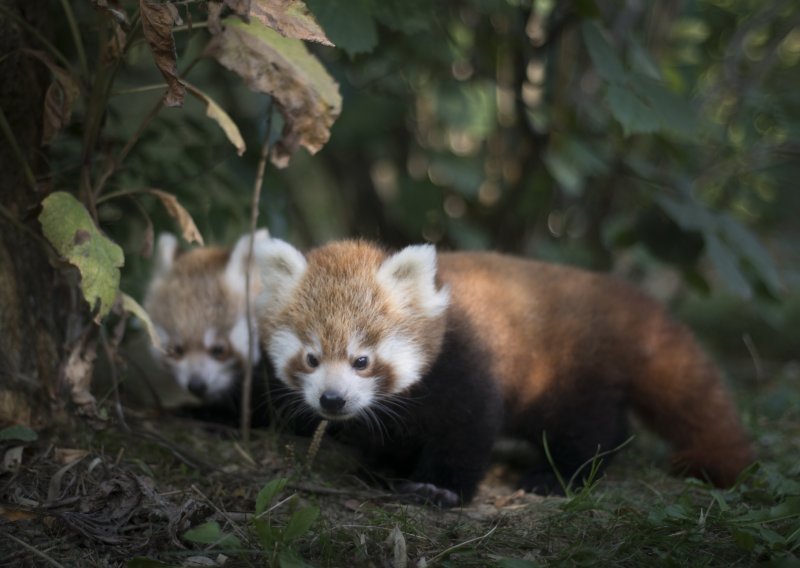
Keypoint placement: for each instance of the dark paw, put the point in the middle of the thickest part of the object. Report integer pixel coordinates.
(429, 493)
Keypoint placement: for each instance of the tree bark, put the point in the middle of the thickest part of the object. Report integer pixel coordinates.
(30, 339)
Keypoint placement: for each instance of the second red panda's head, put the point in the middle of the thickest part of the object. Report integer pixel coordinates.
(349, 325)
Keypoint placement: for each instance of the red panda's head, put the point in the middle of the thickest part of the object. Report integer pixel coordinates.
(196, 300)
(350, 324)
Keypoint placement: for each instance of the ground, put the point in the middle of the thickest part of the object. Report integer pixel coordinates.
(160, 490)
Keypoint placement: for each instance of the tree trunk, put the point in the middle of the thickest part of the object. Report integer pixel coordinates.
(30, 339)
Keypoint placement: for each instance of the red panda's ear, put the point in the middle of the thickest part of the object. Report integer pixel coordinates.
(235, 270)
(409, 277)
(164, 255)
(279, 267)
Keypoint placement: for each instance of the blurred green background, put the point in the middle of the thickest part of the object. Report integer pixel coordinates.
(658, 139)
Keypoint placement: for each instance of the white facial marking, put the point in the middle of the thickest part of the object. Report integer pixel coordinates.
(216, 375)
(357, 391)
(410, 276)
(238, 339)
(209, 337)
(283, 345)
(406, 359)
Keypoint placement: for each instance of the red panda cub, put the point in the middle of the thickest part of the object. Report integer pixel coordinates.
(196, 300)
(423, 359)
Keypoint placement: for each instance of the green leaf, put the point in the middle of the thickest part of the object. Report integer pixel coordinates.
(268, 493)
(752, 250)
(603, 56)
(211, 533)
(267, 534)
(688, 214)
(348, 23)
(586, 8)
(674, 113)
(70, 229)
(726, 265)
(407, 16)
(299, 523)
(18, 432)
(289, 559)
(633, 113)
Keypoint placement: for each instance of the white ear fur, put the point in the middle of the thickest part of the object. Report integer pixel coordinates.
(164, 257)
(279, 267)
(235, 270)
(410, 278)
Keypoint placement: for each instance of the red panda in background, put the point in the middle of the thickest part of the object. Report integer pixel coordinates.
(423, 363)
(196, 300)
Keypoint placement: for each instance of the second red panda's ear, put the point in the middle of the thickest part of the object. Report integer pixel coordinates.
(164, 254)
(279, 267)
(409, 277)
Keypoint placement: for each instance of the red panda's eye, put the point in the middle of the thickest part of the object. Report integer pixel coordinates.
(219, 352)
(361, 363)
(312, 361)
(175, 351)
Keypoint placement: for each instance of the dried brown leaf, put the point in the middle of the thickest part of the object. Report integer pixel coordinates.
(290, 18)
(215, 112)
(78, 375)
(68, 455)
(306, 96)
(59, 99)
(188, 227)
(113, 9)
(157, 22)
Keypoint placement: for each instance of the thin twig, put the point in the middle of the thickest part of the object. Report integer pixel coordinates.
(76, 37)
(751, 348)
(455, 547)
(33, 549)
(8, 134)
(247, 383)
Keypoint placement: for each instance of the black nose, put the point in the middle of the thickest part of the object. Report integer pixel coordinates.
(331, 401)
(197, 386)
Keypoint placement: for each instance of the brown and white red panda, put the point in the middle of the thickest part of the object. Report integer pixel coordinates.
(196, 300)
(422, 359)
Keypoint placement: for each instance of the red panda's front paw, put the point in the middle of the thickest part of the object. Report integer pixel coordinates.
(429, 493)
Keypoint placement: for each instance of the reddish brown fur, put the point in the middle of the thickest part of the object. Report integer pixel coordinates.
(347, 298)
(193, 296)
(547, 324)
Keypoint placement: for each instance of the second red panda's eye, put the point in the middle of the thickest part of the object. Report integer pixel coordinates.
(175, 351)
(219, 351)
(312, 361)
(361, 363)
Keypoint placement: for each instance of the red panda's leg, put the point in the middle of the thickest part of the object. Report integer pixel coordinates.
(577, 428)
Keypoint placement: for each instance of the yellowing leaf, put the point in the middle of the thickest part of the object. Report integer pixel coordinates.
(290, 18)
(306, 96)
(189, 230)
(70, 229)
(215, 112)
(132, 306)
(157, 21)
